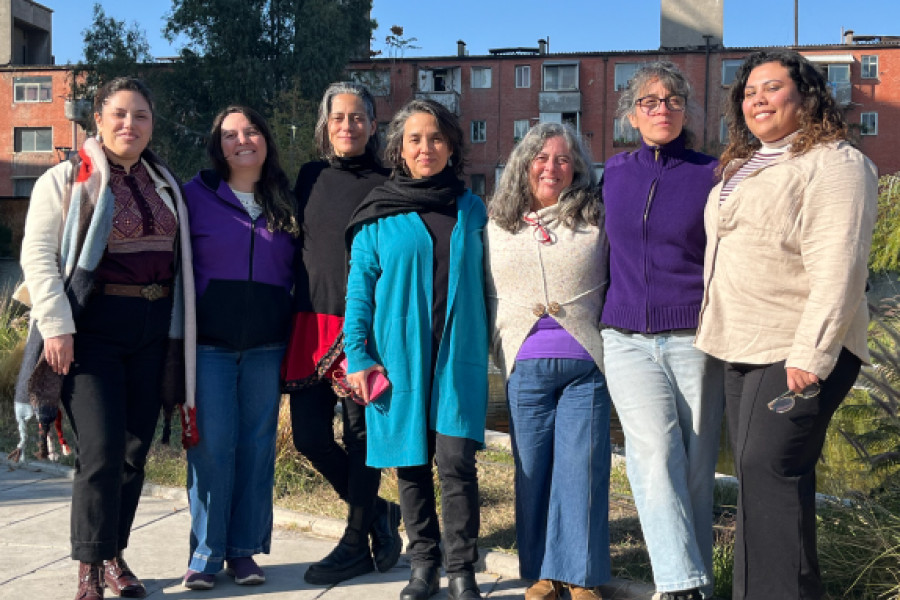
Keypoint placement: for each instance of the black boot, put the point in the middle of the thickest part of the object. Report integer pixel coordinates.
(424, 582)
(350, 558)
(463, 587)
(386, 542)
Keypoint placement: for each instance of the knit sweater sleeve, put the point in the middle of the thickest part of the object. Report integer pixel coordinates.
(50, 308)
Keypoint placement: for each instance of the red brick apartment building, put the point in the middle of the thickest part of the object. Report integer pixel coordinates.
(497, 96)
(500, 95)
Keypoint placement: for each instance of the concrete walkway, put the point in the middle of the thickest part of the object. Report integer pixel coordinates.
(35, 501)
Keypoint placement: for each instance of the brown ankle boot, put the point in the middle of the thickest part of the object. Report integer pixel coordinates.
(544, 589)
(90, 585)
(580, 593)
(121, 580)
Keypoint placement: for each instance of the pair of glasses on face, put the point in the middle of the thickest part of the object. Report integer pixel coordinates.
(786, 401)
(540, 233)
(674, 103)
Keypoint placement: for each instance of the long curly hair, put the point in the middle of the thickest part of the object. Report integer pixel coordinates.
(272, 191)
(821, 119)
(579, 203)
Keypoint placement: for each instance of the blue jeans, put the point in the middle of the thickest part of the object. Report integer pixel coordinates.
(231, 471)
(669, 397)
(559, 421)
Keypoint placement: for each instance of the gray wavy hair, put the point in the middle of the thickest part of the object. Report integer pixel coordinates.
(323, 143)
(579, 203)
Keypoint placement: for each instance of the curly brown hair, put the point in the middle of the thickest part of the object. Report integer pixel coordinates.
(821, 119)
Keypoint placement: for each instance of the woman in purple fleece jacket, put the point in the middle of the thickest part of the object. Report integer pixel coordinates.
(668, 394)
(243, 242)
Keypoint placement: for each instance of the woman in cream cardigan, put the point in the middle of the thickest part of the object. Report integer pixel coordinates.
(788, 234)
(546, 278)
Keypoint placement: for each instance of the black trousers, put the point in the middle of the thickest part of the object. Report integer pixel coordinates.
(775, 459)
(111, 396)
(458, 476)
(312, 415)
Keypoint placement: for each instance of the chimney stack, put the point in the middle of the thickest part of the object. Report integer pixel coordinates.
(460, 48)
(848, 37)
(542, 47)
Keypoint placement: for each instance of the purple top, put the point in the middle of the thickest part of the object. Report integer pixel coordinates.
(548, 339)
(654, 200)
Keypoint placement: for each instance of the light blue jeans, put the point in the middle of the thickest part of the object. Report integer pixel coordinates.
(559, 420)
(231, 471)
(669, 397)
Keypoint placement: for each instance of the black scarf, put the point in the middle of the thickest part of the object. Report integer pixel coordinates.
(402, 194)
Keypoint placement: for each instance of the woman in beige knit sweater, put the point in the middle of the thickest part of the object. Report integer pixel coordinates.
(546, 260)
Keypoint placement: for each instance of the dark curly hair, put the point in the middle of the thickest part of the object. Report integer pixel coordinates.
(821, 119)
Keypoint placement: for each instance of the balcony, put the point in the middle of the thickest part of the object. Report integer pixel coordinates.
(552, 102)
(450, 100)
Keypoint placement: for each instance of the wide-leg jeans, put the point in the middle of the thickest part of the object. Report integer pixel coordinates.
(559, 421)
(231, 471)
(669, 397)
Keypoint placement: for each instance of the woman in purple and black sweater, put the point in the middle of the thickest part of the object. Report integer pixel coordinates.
(668, 394)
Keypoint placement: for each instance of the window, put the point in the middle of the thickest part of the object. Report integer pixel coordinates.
(572, 119)
(560, 78)
(22, 186)
(723, 130)
(33, 139)
(33, 89)
(839, 80)
(523, 76)
(377, 81)
(520, 128)
(481, 77)
(869, 64)
(624, 73)
(729, 69)
(869, 123)
(478, 184)
(479, 131)
(439, 80)
(623, 133)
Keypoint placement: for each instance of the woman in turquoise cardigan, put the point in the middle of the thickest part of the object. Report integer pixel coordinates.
(416, 312)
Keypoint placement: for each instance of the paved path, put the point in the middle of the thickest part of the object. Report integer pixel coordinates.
(34, 543)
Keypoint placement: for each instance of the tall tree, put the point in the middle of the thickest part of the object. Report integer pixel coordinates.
(111, 49)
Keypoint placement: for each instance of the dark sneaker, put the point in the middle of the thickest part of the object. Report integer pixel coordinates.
(195, 580)
(245, 571)
(692, 594)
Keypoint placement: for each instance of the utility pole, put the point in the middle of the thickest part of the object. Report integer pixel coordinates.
(796, 23)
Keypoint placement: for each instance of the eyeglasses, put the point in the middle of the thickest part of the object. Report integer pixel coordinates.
(649, 104)
(540, 233)
(785, 401)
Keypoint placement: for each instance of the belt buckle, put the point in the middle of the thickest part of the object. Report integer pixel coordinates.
(152, 292)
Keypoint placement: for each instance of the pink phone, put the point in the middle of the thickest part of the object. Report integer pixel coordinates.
(377, 382)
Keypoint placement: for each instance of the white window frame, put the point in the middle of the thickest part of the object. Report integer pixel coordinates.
(478, 132)
(623, 74)
(868, 66)
(559, 87)
(523, 76)
(624, 133)
(520, 128)
(870, 128)
(481, 78)
(20, 134)
(729, 69)
(42, 87)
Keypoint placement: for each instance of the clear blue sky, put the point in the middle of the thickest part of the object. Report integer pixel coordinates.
(571, 25)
